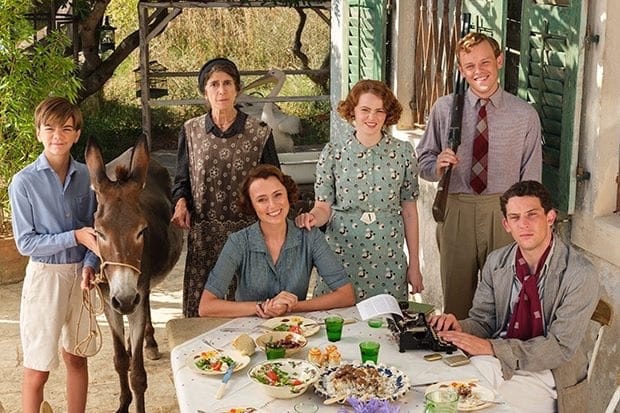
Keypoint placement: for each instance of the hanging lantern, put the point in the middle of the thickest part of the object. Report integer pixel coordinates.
(158, 82)
(106, 37)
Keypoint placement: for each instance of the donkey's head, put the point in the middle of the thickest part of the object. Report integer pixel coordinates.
(120, 223)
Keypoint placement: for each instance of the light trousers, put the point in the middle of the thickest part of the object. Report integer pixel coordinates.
(471, 230)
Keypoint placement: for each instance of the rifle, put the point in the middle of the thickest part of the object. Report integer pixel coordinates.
(454, 138)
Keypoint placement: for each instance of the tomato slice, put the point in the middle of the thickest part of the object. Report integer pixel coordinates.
(272, 376)
(217, 366)
(296, 382)
(295, 329)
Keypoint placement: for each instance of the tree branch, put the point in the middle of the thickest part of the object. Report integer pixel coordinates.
(95, 72)
(320, 79)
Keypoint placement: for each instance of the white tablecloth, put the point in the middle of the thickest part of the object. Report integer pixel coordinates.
(196, 392)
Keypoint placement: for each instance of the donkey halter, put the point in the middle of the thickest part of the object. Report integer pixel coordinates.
(105, 263)
(83, 347)
(120, 264)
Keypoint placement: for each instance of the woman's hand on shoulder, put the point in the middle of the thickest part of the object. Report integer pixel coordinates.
(305, 220)
(318, 216)
(181, 216)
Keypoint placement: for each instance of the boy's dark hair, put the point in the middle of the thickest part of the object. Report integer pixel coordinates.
(527, 188)
(265, 171)
(56, 111)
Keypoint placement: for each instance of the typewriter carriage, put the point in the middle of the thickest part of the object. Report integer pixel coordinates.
(413, 333)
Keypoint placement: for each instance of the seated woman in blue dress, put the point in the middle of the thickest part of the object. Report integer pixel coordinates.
(272, 258)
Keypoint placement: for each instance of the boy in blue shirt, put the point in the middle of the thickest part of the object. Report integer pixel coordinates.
(52, 212)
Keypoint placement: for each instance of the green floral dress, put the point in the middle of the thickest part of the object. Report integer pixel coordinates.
(365, 187)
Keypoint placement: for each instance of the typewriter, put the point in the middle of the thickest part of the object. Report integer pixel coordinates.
(413, 333)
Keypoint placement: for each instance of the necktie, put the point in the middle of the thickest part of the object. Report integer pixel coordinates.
(526, 320)
(480, 159)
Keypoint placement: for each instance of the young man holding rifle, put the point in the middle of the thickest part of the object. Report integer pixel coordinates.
(500, 145)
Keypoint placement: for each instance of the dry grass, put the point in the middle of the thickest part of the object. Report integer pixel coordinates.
(254, 38)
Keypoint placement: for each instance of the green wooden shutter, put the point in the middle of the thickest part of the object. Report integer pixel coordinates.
(552, 47)
(365, 41)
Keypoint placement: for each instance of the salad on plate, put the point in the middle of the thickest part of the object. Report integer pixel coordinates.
(293, 324)
(217, 362)
(273, 375)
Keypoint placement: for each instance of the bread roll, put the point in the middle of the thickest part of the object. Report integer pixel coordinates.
(244, 344)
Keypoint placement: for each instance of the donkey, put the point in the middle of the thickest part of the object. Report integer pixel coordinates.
(138, 247)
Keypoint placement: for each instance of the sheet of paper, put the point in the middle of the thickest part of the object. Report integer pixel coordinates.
(382, 304)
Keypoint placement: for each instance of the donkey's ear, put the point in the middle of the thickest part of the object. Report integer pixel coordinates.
(140, 160)
(94, 162)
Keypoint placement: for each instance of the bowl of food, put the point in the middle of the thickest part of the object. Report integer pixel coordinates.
(362, 381)
(291, 342)
(284, 378)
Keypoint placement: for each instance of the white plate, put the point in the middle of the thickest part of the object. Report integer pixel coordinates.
(308, 326)
(293, 338)
(239, 409)
(471, 403)
(393, 382)
(240, 361)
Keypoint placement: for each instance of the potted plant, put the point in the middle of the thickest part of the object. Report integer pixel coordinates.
(29, 72)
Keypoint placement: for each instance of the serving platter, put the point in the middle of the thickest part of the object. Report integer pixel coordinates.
(300, 325)
(472, 396)
(363, 381)
(209, 359)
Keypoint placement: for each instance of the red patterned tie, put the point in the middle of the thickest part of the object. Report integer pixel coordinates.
(480, 159)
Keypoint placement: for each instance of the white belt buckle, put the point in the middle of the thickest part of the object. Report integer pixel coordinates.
(368, 217)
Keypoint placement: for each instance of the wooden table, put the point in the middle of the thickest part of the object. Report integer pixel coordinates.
(180, 330)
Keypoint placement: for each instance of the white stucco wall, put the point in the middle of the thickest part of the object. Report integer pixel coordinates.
(595, 227)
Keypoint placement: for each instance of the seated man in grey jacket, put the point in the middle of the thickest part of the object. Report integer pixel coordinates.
(530, 311)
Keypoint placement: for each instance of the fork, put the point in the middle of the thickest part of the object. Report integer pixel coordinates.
(208, 343)
(492, 401)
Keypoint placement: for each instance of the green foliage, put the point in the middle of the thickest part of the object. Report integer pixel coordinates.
(117, 126)
(28, 73)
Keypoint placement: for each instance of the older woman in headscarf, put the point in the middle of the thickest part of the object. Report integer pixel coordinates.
(215, 153)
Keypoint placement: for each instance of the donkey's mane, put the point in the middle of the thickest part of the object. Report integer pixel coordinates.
(122, 174)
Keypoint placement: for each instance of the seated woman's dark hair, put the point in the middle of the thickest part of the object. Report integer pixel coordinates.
(265, 171)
